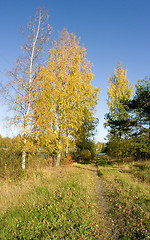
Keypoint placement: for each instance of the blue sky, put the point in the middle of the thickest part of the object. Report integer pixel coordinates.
(110, 30)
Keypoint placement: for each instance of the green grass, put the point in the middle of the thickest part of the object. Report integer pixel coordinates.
(129, 199)
(101, 160)
(141, 171)
(61, 203)
(57, 203)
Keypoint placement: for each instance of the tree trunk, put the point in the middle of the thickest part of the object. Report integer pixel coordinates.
(29, 92)
(67, 150)
(58, 159)
(23, 158)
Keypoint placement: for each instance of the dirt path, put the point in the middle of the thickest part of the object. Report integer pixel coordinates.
(110, 226)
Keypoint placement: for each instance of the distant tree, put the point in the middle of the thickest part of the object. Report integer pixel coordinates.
(84, 143)
(18, 92)
(117, 147)
(139, 108)
(100, 147)
(138, 126)
(119, 91)
(86, 131)
(118, 119)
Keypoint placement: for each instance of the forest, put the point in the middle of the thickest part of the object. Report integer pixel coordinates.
(53, 104)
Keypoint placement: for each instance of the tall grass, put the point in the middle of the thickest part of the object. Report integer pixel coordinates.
(129, 200)
(51, 203)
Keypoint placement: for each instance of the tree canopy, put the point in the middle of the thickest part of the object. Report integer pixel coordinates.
(64, 94)
(119, 91)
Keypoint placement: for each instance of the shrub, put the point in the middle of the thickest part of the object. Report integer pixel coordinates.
(118, 148)
(67, 160)
(10, 163)
(86, 150)
(85, 154)
(102, 161)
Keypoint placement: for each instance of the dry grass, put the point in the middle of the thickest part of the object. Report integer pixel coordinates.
(14, 191)
(51, 203)
(129, 198)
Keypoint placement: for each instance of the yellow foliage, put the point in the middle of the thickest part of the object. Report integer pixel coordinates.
(119, 90)
(64, 92)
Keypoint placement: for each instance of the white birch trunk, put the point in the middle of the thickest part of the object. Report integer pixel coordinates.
(58, 159)
(67, 150)
(26, 115)
(24, 155)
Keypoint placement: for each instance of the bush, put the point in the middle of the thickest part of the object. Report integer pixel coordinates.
(10, 163)
(86, 150)
(102, 161)
(67, 160)
(85, 154)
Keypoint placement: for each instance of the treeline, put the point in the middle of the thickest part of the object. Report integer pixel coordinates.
(11, 155)
(128, 120)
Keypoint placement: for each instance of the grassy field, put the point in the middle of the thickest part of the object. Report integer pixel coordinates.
(51, 203)
(127, 190)
(63, 203)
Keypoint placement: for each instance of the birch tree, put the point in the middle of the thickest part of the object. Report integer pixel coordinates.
(19, 90)
(64, 94)
(119, 91)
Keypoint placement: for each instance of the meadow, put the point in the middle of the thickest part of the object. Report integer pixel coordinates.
(64, 203)
(51, 203)
(127, 191)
